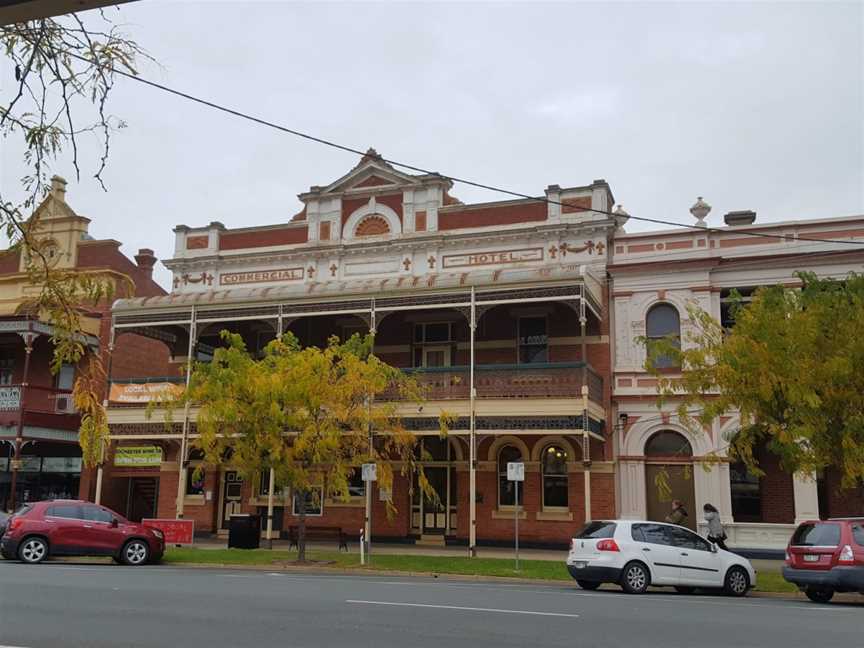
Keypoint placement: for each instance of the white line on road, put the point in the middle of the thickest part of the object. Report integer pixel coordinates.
(466, 609)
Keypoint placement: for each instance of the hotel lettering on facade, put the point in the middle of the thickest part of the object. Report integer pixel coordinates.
(521, 295)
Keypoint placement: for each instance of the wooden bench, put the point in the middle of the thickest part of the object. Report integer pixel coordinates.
(318, 533)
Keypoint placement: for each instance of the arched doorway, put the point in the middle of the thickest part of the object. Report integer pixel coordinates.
(669, 459)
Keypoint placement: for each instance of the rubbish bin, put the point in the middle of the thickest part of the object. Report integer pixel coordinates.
(244, 532)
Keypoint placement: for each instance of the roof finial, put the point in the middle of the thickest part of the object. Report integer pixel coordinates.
(700, 211)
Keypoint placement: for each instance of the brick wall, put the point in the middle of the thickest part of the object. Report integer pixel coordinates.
(839, 501)
(778, 498)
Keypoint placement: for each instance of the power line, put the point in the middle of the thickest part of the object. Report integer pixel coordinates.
(411, 167)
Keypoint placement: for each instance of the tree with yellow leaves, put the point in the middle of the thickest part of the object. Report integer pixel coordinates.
(308, 414)
(792, 366)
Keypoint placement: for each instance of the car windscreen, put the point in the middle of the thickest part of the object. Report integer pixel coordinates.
(597, 530)
(817, 535)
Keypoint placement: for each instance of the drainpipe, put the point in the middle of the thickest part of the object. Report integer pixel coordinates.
(472, 454)
(586, 441)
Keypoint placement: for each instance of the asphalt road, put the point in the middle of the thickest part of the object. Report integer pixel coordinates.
(95, 605)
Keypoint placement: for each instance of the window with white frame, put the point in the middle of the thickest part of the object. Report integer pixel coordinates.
(507, 488)
(7, 365)
(533, 340)
(433, 344)
(554, 466)
(313, 502)
(663, 322)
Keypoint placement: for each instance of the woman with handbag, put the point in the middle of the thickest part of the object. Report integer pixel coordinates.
(716, 534)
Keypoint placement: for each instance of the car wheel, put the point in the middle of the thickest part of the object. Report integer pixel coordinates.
(588, 585)
(33, 551)
(684, 589)
(135, 553)
(635, 578)
(819, 594)
(737, 582)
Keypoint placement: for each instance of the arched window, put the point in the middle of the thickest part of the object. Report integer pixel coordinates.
(667, 443)
(663, 323)
(506, 488)
(554, 463)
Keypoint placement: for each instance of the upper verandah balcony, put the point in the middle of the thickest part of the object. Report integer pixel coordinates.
(528, 342)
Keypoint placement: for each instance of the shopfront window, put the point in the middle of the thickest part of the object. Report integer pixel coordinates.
(313, 502)
(195, 481)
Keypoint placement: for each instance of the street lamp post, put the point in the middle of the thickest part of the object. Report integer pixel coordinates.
(29, 337)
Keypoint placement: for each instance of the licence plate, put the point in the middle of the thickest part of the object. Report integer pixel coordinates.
(580, 564)
(811, 558)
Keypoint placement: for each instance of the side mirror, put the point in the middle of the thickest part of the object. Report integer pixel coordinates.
(115, 523)
(713, 547)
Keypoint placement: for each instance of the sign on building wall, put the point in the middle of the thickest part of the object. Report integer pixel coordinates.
(10, 398)
(261, 276)
(138, 456)
(144, 392)
(497, 257)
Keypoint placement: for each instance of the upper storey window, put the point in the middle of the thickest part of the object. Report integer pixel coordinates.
(663, 322)
(372, 226)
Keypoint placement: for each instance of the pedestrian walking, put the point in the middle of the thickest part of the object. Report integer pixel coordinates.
(678, 514)
(716, 534)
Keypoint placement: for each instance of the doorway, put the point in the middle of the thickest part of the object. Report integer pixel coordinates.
(669, 458)
(431, 515)
(232, 497)
(142, 496)
(680, 480)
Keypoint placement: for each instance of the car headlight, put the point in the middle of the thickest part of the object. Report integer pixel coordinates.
(158, 534)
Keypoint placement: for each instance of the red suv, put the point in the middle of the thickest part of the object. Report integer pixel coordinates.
(826, 556)
(75, 528)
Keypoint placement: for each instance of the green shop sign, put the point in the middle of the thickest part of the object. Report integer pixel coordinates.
(138, 456)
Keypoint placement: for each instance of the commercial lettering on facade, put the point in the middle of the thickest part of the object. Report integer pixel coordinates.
(261, 276)
(500, 257)
(143, 392)
(138, 456)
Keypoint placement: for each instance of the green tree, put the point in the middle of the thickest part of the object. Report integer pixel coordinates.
(305, 413)
(792, 366)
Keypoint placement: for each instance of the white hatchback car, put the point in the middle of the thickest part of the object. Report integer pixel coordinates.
(637, 554)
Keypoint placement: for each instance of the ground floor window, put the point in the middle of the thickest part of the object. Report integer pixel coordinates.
(313, 500)
(746, 494)
(507, 488)
(554, 462)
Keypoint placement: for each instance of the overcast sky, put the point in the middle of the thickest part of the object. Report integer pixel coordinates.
(752, 105)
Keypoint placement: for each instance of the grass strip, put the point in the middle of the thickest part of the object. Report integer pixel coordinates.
(546, 570)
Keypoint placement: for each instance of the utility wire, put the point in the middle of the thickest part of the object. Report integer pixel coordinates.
(411, 167)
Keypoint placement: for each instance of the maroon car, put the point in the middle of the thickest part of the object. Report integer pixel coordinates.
(76, 528)
(826, 556)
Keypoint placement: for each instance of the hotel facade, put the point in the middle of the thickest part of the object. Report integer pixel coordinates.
(519, 317)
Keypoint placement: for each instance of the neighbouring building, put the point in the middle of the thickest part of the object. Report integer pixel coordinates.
(652, 278)
(543, 300)
(36, 408)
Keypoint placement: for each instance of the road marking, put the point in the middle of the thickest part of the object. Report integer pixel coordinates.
(463, 608)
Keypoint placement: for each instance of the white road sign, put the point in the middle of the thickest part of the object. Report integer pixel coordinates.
(515, 471)
(370, 472)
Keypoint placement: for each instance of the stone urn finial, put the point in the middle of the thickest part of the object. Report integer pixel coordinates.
(700, 211)
(621, 217)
